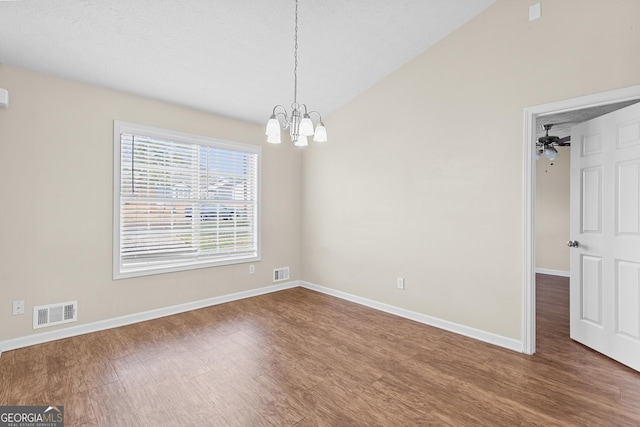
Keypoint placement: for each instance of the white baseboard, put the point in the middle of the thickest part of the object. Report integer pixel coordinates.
(488, 337)
(72, 331)
(115, 322)
(551, 272)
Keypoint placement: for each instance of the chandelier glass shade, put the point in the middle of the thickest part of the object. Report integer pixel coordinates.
(300, 122)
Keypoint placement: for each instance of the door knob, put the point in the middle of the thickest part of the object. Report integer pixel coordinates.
(572, 243)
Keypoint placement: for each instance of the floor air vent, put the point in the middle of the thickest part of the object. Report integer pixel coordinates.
(55, 314)
(280, 274)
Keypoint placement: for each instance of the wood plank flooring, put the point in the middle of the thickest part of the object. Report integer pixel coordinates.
(300, 358)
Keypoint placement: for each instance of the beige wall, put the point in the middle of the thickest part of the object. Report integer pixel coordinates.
(422, 177)
(56, 168)
(552, 211)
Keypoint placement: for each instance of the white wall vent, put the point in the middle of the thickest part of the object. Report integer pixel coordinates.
(55, 314)
(281, 273)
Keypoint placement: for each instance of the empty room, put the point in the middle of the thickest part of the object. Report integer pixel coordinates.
(320, 213)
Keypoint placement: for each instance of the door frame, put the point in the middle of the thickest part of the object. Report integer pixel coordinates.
(529, 194)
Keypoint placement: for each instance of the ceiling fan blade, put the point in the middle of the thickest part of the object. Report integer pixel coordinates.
(564, 142)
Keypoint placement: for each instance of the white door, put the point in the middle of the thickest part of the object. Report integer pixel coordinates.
(605, 222)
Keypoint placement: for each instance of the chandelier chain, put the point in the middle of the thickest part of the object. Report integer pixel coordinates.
(295, 57)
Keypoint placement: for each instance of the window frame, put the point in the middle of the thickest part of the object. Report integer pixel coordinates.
(120, 127)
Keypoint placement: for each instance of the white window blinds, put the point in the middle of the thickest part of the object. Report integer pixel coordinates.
(183, 201)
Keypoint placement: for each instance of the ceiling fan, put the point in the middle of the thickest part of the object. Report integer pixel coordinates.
(547, 144)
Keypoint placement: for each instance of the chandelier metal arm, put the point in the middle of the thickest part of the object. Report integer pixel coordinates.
(284, 110)
(283, 114)
(312, 112)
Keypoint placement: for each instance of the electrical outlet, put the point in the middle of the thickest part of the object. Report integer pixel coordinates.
(400, 283)
(252, 269)
(18, 307)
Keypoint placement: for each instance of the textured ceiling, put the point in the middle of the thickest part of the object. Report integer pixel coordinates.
(562, 122)
(231, 57)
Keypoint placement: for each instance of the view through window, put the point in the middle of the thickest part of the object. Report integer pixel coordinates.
(182, 201)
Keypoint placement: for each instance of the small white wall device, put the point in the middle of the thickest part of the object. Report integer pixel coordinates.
(4, 98)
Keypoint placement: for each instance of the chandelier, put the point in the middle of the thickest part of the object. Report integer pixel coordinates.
(299, 123)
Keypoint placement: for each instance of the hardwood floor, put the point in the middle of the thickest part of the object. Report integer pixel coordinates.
(300, 358)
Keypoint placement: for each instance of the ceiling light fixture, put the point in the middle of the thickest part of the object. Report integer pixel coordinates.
(299, 123)
(547, 144)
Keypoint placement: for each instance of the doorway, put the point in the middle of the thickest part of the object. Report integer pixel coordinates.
(531, 116)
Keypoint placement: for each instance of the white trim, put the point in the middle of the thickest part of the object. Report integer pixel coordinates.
(488, 337)
(551, 272)
(528, 194)
(122, 127)
(528, 229)
(25, 341)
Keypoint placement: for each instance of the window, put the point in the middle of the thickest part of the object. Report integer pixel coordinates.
(182, 201)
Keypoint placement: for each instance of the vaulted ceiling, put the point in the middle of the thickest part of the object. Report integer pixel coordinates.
(231, 57)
